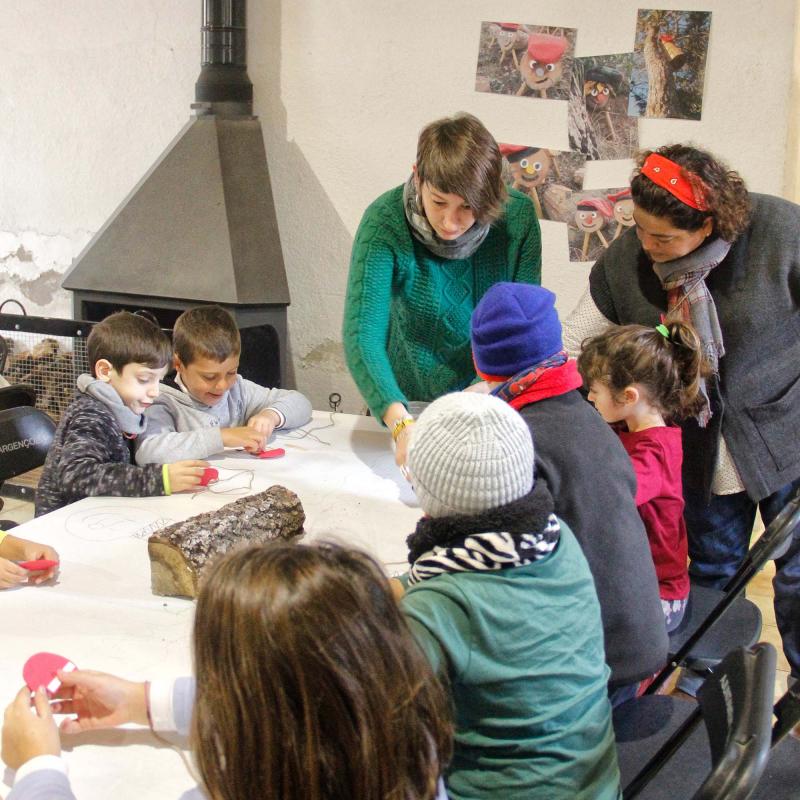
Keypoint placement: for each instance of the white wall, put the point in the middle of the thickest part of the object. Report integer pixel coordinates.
(92, 91)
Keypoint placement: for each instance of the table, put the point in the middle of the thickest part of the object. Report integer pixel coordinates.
(102, 615)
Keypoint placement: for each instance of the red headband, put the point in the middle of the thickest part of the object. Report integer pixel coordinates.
(672, 177)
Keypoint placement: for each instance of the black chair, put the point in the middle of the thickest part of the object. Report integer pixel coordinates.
(25, 438)
(17, 394)
(781, 778)
(718, 621)
(664, 753)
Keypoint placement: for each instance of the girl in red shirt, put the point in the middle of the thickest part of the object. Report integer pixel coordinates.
(642, 379)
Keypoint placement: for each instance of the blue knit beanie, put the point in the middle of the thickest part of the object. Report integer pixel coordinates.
(514, 326)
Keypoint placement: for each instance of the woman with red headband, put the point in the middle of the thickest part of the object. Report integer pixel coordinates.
(706, 251)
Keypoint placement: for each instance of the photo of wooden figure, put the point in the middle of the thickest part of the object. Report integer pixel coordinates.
(670, 54)
(597, 115)
(541, 67)
(623, 210)
(510, 37)
(525, 60)
(529, 168)
(591, 216)
(600, 84)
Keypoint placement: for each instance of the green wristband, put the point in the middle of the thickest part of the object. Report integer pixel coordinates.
(165, 477)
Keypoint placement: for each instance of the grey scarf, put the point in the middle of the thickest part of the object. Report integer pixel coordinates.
(688, 299)
(132, 424)
(462, 247)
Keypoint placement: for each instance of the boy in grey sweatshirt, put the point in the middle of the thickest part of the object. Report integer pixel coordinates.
(212, 407)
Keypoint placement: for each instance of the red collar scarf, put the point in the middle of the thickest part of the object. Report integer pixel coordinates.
(550, 378)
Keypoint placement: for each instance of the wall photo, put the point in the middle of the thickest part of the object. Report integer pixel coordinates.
(669, 64)
(599, 125)
(525, 60)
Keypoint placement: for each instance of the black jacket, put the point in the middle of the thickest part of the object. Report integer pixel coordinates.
(756, 290)
(593, 485)
(90, 456)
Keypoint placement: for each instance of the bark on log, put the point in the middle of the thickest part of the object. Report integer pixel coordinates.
(179, 553)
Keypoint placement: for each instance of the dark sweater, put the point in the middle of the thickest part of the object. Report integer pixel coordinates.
(90, 456)
(591, 479)
(756, 290)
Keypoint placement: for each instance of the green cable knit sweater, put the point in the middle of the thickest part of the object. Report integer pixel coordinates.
(407, 314)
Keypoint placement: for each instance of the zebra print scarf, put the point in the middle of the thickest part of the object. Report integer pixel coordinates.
(508, 536)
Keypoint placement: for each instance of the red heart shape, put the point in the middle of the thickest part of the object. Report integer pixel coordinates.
(38, 565)
(40, 670)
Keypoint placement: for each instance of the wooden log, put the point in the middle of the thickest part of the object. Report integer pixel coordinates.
(180, 553)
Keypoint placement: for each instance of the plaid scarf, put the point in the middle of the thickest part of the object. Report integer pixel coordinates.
(508, 536)
(462, 247)
(549, 378)
(689, 300)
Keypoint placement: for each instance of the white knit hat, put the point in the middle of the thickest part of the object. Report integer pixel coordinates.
(469, 452)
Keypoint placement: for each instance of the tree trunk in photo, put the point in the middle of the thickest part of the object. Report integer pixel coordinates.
(661, 97)
(582, 136)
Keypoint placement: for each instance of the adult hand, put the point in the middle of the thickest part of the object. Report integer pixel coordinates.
(99, 700)
(27, 734)
(185, 475)
(264, 422)
(249, 438)
(401, 445)
(11, 574)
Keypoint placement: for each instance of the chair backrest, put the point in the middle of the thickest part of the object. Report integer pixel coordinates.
(25, 437)
(18, 394)
(772, 544)
(736, 703)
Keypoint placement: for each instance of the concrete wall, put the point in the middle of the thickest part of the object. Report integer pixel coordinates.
(93, 91)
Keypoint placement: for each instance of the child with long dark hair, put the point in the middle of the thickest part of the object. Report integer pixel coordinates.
(641, 379)
(309, 686)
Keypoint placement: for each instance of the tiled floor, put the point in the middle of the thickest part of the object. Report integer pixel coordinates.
(759, 591)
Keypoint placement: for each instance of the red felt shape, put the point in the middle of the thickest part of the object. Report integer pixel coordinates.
(38, 564)
(276, 453)
(41, 669)
(209, 474)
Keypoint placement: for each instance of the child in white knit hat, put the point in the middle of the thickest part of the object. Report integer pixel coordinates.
(501, 600)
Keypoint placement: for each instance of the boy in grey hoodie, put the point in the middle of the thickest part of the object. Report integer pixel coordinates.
(92, 452)
(212, 407)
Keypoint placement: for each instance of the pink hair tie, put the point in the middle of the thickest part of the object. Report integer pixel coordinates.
(674, 178)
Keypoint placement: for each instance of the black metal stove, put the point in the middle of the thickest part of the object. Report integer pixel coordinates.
(200, 226)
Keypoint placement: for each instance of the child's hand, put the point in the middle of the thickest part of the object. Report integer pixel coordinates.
(249, 438)
(32, 551)
(185, 475)
(27, 734)
(264, 422)
(98, 700)
(11, 574)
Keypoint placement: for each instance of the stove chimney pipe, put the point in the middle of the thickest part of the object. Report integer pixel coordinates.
(223, 87)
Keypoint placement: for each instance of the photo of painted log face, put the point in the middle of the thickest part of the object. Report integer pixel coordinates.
(525, 60)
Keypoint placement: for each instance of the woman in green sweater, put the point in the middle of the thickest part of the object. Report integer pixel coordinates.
(423, 256)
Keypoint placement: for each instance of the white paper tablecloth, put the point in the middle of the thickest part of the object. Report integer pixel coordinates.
(102, 615)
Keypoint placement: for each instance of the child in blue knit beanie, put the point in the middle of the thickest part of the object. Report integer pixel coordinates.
(517, 349)
(501, 600)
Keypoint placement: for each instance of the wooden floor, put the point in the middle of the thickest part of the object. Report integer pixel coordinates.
(759, 591)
